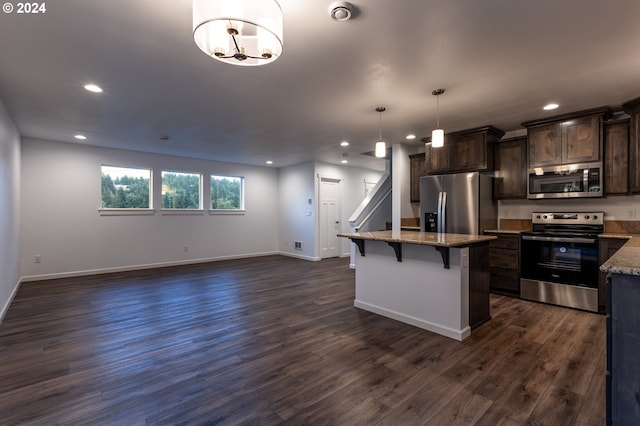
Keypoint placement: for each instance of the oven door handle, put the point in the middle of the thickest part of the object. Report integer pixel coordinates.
(560, 239)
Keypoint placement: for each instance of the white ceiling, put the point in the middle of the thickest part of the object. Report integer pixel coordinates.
(500, 61)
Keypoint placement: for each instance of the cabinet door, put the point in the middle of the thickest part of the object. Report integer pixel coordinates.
(511, 169)
(607, 247)
(471, 152)
(634, 151)
(545, 145)
(581, 140)
(616, 158)
(416, 170)
(441, 157)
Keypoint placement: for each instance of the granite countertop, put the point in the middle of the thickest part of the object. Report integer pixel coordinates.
(422, 238)
(507, 231)
(615, 235)
(626, 260)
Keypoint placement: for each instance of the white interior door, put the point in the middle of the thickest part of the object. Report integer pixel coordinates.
(329, 217)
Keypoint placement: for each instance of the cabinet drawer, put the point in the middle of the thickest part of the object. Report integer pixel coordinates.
(504, 258)
(510, 243)
(505, 280)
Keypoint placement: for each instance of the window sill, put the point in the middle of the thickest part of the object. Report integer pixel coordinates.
(227, 212)
(126, 212)
(185, 212)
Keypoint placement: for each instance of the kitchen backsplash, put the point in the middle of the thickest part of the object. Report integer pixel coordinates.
(515, 224)
(626, 209)
(622, 226)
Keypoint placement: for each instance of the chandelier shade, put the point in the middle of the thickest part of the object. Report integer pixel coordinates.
(239, 32)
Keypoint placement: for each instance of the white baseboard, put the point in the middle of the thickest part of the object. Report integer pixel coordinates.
(300, 256)
(417, 322)
(139, 267)
(5, 308)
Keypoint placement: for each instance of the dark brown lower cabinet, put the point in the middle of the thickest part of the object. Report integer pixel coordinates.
(607, 247)
(504, 263)
(623, 350)
(479, 278)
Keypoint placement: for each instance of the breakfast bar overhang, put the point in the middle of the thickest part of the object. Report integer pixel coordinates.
(435, 281)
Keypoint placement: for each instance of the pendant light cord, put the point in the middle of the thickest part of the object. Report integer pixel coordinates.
(437, 111)
(380, 126)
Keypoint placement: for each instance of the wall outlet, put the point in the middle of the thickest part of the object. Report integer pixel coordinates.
(186, 247)
(297, 245)
(37, 258)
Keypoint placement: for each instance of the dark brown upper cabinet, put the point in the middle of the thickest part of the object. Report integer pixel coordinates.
(566, 139)
(616, 157)
(467, 150)
(417, 169)
(633, 109)
(511, 168)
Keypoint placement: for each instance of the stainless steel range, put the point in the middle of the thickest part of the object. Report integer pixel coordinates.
(560, 259)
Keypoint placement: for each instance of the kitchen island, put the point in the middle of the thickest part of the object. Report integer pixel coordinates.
(435, 281)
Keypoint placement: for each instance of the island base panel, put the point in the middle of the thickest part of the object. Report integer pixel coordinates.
(418, 290)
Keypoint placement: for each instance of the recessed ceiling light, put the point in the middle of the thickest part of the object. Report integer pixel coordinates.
(269, 162)
(411, 136)
(93, 88)
(344, 143)
(344, 161)
(549, 107)
(81, 137)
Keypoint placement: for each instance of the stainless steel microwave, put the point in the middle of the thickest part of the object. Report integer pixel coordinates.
(565, 181)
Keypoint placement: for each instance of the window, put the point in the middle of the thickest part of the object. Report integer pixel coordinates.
(181, 190)
(125, 188)
(227, 193)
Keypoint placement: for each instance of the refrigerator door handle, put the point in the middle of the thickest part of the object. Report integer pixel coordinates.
(443, 213)
(438, 217)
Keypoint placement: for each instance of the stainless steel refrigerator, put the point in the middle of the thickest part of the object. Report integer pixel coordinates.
(460, 203)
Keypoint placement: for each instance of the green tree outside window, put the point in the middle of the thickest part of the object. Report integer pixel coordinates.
(227, 193)
(125, 188)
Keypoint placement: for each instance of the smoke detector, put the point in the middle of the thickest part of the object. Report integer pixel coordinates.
(341, 10)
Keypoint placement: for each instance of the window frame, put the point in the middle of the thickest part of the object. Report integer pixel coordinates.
(183, 211)
(127, 211)
(239, 211)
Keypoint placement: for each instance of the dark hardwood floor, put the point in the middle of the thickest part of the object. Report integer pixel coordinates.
(276, 340)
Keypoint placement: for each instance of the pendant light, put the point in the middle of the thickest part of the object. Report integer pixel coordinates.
(437, 135)
(381, 147)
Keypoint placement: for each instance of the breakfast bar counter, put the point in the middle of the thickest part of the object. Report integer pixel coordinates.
(399, 275)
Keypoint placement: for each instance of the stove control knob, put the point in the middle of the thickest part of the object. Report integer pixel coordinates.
(587, 217)
(537, 216)
(544, 217)
(595, 217)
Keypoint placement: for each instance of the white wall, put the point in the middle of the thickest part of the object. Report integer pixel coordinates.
(352, 181)
(401, 174)
(298, 218)
(9, 209)
(297, 215)
(61, 222)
